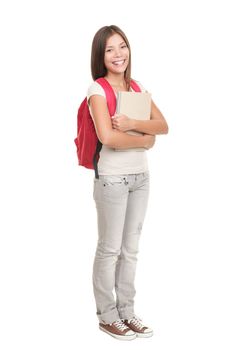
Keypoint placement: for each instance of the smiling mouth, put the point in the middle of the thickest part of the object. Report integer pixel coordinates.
(118, 62)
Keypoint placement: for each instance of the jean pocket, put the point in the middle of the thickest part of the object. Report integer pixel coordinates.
(110, 180)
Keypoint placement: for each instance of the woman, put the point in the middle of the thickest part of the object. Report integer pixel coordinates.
(121, 191)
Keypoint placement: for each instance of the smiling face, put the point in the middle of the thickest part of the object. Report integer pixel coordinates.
(116, 57)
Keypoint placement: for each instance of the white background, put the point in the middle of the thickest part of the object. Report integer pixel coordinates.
(181, 54)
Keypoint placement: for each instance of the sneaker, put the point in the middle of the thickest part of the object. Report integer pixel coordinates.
(135, 324)
(118, 330)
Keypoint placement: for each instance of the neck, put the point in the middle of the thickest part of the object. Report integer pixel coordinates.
(115, 79)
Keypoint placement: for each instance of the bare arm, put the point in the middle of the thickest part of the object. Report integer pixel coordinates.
(111, 137)
(156, 125)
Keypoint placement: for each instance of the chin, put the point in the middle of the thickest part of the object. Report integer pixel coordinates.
(118, 70)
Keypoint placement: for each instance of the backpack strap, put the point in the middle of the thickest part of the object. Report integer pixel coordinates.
(110, 95)
(135, 86)
(96, 157)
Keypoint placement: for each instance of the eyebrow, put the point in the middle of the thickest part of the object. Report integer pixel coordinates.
(123, 42)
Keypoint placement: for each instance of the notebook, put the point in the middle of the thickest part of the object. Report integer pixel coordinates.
(136, 105)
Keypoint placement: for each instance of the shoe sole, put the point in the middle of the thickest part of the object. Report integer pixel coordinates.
(120, 337)
(144, 335)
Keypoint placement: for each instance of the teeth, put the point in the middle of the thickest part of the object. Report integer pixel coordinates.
(118, 63)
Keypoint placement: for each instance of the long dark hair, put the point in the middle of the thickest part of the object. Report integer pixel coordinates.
(98, 68)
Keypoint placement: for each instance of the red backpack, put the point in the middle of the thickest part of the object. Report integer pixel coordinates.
(87, 142)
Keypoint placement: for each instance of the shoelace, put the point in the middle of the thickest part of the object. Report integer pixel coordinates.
(137, 322)
(120, 325)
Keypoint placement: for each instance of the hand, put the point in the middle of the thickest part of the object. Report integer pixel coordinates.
(149, 141)
(121, 122)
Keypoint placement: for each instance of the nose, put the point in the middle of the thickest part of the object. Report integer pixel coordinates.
(118, 52)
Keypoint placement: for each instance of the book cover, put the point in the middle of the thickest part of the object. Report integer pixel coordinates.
(135, 105)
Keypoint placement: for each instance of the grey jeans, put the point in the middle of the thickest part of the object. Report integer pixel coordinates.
(121, 202)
